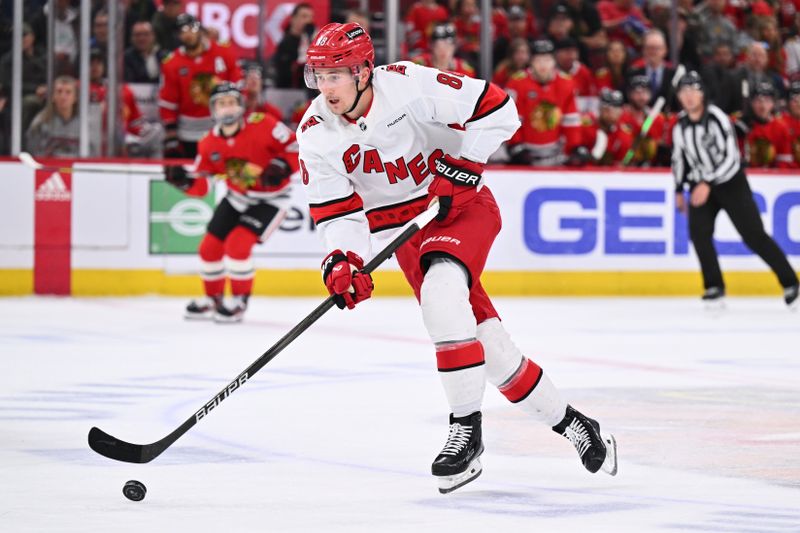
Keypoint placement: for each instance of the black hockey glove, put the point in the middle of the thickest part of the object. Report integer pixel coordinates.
(520, 155)
(579, 157)
(276, 172)
(177, 176)
(172, 145)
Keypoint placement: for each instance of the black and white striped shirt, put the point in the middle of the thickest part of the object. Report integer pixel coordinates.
(705, 150)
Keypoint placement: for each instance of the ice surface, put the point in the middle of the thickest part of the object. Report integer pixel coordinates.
(338, 432)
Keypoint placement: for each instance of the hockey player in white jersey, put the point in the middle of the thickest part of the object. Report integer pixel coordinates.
(376, 146)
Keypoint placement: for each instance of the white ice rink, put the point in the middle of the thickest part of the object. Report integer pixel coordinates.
(338, 432)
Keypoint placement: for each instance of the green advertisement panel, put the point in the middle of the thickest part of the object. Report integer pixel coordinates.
(177, 221)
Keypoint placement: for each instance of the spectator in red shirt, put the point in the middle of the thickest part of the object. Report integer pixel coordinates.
(768, 142)
(517, 62)
(421, 17)
(517, 29)
(442, 54)
(253, 93)
(792, 120)
(468, 28)
(623, 21)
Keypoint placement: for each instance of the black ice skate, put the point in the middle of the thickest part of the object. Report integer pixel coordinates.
(202, 309)
(234, 313)
(459, 461)
(597, 451)
(791, 295)
(714, 298)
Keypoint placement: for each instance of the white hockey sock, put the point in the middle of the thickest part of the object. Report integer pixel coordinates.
(448, 317)
(518, 378)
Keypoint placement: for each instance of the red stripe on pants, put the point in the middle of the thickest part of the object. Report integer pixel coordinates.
(52, 233)
(523, 382)
(458, 356)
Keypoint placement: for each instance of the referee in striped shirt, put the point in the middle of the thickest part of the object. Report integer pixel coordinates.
(706, 157)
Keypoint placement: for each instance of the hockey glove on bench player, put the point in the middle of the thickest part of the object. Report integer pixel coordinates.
(344, 279)
(456, 184)
(177, 176)
(275, 172)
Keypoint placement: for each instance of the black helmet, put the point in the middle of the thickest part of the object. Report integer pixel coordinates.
(611, 97)
(691, 79)
(794, 88)
(639, 82)
(542, 47)
(764, 88)
(185, 20)
(443, 31)
(226, 88)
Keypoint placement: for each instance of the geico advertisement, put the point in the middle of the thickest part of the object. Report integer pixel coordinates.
(605, 221)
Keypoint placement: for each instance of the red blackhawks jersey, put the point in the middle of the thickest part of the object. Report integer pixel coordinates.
(551, 125)
(619, 140)
(458, 65)
(648, 148)
(241, 158)
(373, 174)
(186, 84)
(793, 125)
(769, 145)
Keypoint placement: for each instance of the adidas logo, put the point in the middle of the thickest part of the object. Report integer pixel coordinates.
(53, 190)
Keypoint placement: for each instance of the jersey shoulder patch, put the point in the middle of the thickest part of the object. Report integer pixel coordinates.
(256, 117)
(313, 120)
(401, 69)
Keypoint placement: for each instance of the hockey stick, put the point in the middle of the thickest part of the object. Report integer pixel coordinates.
(28, 160)
(119, 450)
(651, 116)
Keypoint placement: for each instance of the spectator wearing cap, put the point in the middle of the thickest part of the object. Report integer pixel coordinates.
(420, 19)
(792, 49)
(566, 53)
(143, 59)
(254, 101)
(769, 142)
(290, 55)
(654, 66)
(518, 61)
(34, 75)
(791, 119)
(609, 139)
(715, 27)
(653, 146)
(615, 70)
(623, 21)
(559, 25)
(164, 25)
(442, 54)
(587, 29)
(550, 133)
(517, 29)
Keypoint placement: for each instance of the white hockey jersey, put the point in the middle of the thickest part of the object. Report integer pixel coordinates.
(373, 174)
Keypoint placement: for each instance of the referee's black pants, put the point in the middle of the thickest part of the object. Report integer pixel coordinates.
(736, 198)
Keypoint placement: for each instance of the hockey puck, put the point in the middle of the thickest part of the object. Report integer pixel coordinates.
(134, 490)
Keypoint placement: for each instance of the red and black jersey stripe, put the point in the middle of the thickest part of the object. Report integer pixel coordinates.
(395, 215)
(491, 99)
(336, 208)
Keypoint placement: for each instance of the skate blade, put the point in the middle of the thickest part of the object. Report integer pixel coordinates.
(448, 484)
(609, 466)
(717, 305)
(198, 317)
(222, 319)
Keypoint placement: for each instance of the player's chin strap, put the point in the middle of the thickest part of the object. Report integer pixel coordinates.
(359, 93)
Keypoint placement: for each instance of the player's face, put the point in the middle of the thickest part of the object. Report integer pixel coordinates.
(610, 114)
(762, 106)
(227, 106)
(640, 97)
(794, 105)
(691, 98)
(189, 37)
(337, 87)
(544, 66)
(443, 48)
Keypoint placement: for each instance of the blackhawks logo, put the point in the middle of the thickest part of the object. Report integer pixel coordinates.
(545, 117)
(200, 88)
(646, 150)
(241, 173)
(762, 152)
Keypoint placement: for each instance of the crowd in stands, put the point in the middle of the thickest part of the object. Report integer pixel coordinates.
(584, 73)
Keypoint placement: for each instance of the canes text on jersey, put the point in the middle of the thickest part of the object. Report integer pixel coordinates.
(371, 162)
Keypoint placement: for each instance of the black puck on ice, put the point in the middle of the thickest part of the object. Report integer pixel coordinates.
(134, 490)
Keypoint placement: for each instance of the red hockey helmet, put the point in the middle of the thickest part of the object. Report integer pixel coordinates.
(339, 45)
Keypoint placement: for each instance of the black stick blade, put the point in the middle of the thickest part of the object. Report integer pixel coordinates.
(116, 449)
